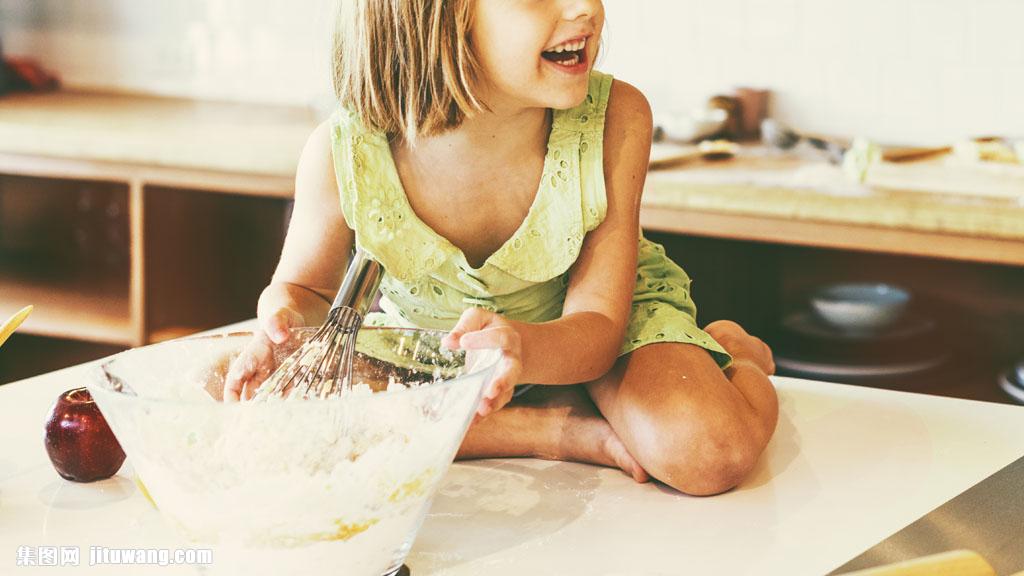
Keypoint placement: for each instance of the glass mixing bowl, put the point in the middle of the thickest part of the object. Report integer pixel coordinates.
(294, 486)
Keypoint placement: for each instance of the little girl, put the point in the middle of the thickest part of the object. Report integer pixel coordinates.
(497, 178)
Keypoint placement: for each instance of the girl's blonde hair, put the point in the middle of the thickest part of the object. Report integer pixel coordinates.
(406, 66)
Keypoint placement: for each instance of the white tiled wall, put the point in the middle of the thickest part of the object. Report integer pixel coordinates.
(896, 70)
(925, 71)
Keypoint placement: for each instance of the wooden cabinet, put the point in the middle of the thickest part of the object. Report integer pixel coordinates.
(207, 257)
(114, 256)
(129, 219)
(977, 307)
(65, 247)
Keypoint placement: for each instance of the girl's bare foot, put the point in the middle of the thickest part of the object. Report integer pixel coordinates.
(554, 423)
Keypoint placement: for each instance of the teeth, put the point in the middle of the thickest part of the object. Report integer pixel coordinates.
(569, 46)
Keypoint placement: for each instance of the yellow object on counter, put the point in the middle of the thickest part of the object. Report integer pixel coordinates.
(986, 151)
(143, 490)
(12, 323)
(955, 563)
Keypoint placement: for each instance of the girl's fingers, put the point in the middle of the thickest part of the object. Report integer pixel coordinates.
(249, 390)
(505, 398)
(451, 341)
(502, 396)
(239, 375)
(278, 327)
(480, 329)
(490, 405)
(234, 382)
(249, 369)
(501, 388)
(471, 320)
(506, 379)
(503, 338)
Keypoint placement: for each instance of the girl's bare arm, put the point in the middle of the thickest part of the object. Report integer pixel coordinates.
(316, 247)
(310, 269)
(582, 344)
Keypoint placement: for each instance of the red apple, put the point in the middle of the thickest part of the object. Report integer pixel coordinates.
(79, 440)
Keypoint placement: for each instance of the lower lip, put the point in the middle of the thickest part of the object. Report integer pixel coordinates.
(577, 68)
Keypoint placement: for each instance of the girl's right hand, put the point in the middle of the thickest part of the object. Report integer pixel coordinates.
(256, 362)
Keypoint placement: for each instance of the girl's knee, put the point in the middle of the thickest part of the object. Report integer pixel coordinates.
(705, 457)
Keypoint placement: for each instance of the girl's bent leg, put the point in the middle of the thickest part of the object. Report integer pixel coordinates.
(686, 423)
(554, 423)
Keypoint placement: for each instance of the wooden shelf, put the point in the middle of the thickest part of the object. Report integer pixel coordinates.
(122, 238)
(110, 258)
(84, 309)
(64, 249)
(208, 257)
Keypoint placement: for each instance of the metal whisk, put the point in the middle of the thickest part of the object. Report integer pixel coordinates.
(322, 366)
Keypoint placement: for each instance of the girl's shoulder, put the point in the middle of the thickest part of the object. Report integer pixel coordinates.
(628, 125)
(607, 97)
(628, 107)
(615, 97)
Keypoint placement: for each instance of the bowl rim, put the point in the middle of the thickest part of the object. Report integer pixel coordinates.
(101, 374)
(893, 294)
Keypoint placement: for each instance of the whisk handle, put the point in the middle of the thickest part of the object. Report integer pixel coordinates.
(362, 279)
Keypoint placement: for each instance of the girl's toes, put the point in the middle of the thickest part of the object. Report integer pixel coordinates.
(624, 460)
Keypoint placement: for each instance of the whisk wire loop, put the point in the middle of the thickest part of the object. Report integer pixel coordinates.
(322, 366)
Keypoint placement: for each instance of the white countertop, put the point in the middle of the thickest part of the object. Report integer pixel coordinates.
(847, 467)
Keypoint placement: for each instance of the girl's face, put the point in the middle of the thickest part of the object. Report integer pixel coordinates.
(536, 52)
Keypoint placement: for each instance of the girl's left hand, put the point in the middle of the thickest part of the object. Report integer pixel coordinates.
(480, 329)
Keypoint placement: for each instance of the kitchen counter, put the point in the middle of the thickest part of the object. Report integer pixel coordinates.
(169, 132)
(848, 466)
(940, 208)
(194, 143)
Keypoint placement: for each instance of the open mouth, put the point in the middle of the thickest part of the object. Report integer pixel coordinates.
(568, 54)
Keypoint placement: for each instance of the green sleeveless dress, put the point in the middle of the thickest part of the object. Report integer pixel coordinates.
(428, 282)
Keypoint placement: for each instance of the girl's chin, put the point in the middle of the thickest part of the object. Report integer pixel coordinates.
(565, 104)
(566, 97)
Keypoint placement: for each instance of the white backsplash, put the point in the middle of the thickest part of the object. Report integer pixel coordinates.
(926, 71)
(275, 51)
(896, 70)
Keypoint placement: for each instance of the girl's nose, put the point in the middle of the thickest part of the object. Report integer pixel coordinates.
(577, 9)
